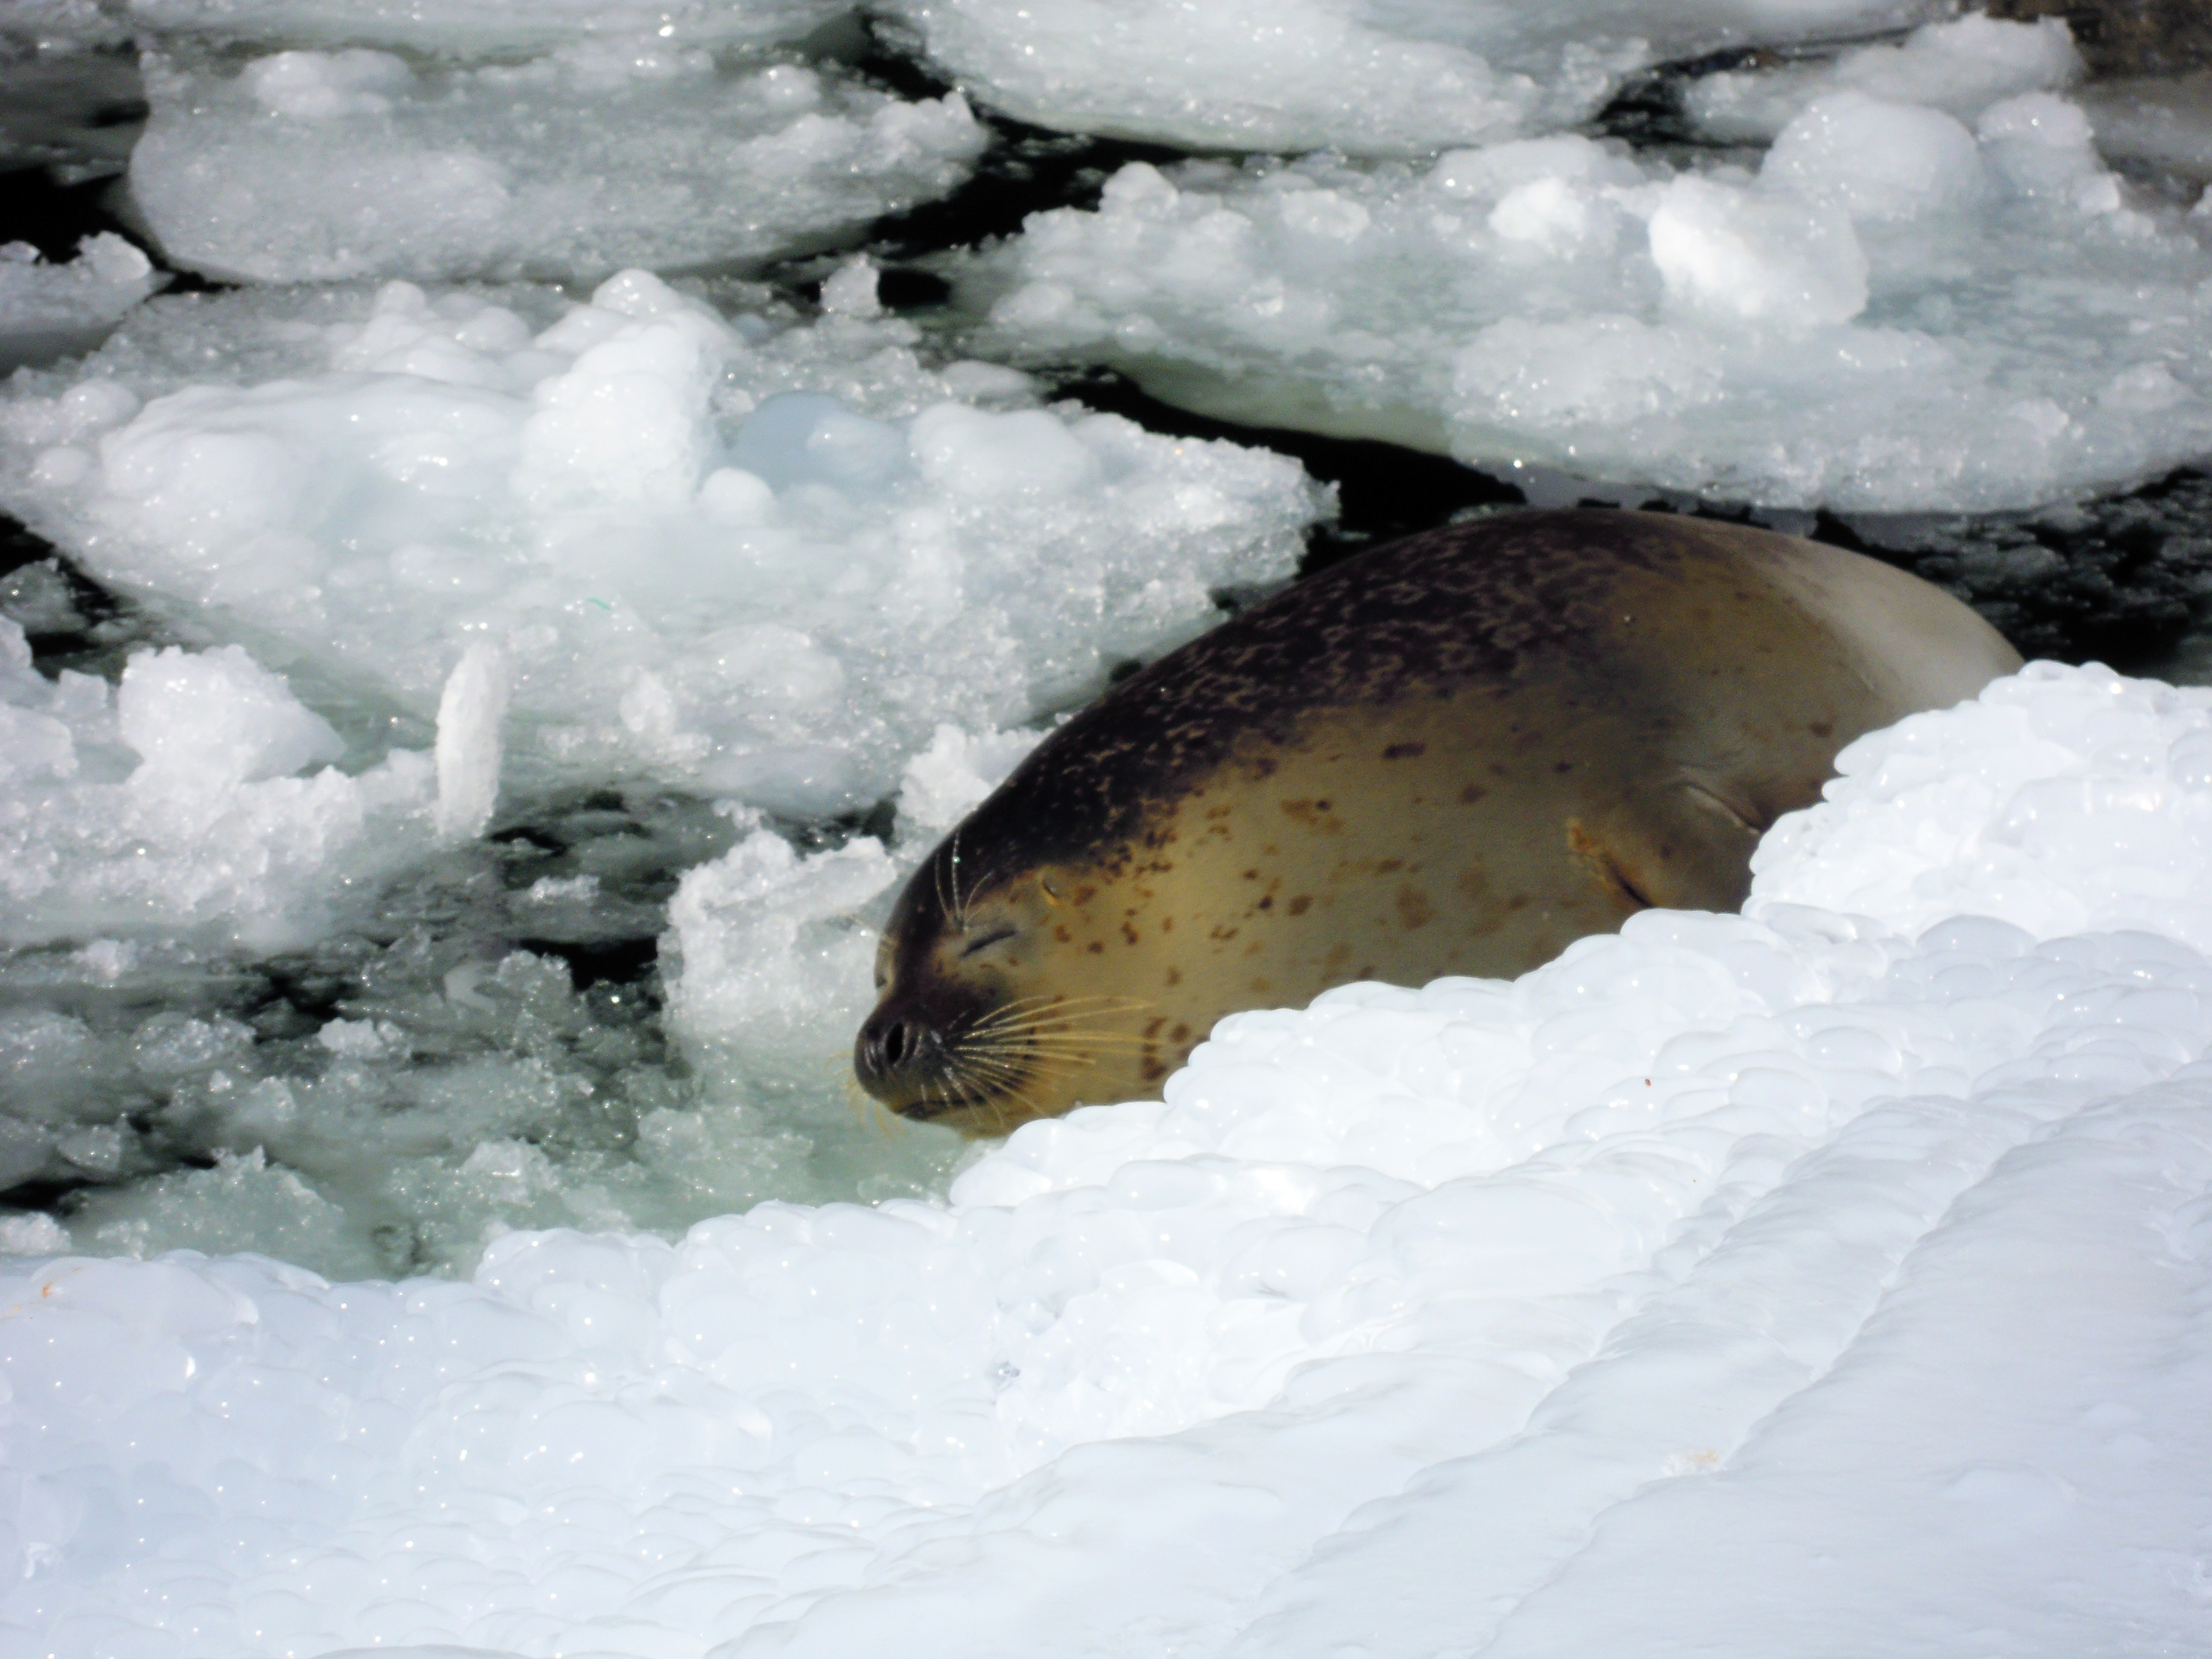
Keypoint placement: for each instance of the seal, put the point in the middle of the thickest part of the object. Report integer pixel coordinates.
(1454, 754)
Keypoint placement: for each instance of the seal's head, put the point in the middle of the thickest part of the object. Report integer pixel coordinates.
(985, 1016)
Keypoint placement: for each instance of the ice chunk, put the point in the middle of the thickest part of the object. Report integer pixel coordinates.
(1961, 66)
(1764, 258)
(1876, 160)
(54, 311)
(1294, 74)
(1870, 323)
(310, 166)
(470, 713)
(752, 557)
(950, 779)
(770, 954)
(216, 716)
(173, 809)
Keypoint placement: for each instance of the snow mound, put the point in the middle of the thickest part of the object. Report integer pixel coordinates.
(1293, 75)
(2063, 800)
(323, 166)
(1894, 313)
(751, 557)
(1506, 1306)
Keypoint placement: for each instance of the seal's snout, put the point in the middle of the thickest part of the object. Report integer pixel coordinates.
(898, 1056)
(889, 1046)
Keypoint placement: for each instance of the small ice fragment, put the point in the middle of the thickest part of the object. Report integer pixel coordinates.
(575, 889)
(33, 1235)
(470, 714)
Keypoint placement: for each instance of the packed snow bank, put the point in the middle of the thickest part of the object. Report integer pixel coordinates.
(1851, 1280)
(317, 166)
(1894, 313)
(755, 558)
(1292, 75)
(50, 310)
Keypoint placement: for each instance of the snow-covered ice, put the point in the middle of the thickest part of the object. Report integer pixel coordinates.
(50, 310)
(760, 558)
(1803, 1280)
(1894, 313)
(319, 166)
(1961, 66)
(1387, 79)
(486, 27)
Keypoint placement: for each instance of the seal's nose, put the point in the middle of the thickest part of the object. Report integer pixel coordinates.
(890, 1047)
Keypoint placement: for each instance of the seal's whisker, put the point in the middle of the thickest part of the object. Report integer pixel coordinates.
(1062, 1045)
(1060, 1015)
(952, 870)
(1008, 1042)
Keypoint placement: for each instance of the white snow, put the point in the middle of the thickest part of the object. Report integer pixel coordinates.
(50, 310)
(321, 166)
(758, 558)
(1801, 1281)
(1893, 313)
(1397, 78)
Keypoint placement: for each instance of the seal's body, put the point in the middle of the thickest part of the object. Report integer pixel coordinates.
(1453, 755)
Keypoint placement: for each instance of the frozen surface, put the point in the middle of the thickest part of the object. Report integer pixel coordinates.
(319, 166)
(482, 26)
(758, 558)
(1961, 67)
(1895, 312)
(1866, 1258)
(1395, 78)
(48, 311)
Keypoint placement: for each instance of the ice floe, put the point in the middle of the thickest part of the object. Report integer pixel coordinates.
(1374, 80)
(319, 166)
(1893, 313)
(758, 557)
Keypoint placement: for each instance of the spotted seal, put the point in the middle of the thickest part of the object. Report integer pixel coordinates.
(1452, 755)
